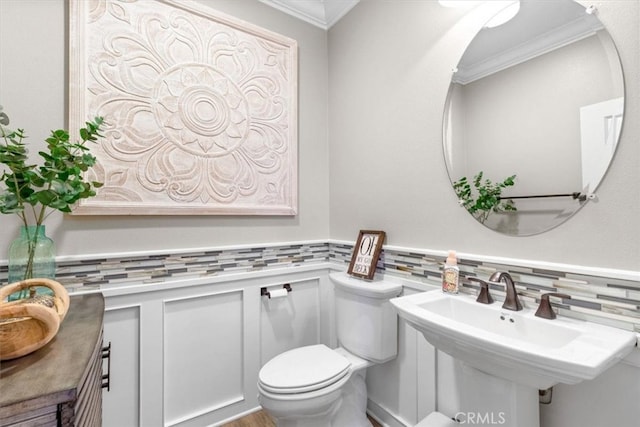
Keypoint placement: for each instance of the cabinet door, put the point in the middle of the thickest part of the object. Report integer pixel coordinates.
(121, 404)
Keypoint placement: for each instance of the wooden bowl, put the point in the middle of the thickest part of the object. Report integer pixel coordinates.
(28, 324)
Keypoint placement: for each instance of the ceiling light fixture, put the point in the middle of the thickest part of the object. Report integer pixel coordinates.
(510, 10)
(457, 3)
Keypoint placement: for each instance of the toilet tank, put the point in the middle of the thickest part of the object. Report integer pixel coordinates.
(366, 322)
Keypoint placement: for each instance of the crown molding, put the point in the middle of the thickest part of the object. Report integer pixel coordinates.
(321, 13)
(572, 32)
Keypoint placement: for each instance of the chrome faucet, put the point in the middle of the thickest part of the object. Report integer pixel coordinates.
(511, 301)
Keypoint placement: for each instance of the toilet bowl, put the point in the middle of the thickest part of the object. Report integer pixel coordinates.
(316, 386)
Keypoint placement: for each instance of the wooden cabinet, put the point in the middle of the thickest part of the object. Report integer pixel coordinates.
(60, 384)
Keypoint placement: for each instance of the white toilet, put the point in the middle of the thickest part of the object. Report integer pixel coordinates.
(315, 386)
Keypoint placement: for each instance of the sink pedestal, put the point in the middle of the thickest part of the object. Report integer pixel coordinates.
(483, 399)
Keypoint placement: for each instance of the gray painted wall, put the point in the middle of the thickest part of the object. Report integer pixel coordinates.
(33, 92)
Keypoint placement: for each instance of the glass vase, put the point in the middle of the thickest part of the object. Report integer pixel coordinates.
(31, 255)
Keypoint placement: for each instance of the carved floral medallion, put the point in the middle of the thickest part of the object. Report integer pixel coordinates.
(200, 109)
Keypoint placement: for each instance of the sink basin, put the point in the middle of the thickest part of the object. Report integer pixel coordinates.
(516, 346)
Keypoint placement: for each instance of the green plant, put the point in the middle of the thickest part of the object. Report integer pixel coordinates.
(33, 192)
(486, 198)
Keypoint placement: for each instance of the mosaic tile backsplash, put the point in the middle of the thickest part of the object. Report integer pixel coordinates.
(95, 274)
(610, 301)
(605, 300)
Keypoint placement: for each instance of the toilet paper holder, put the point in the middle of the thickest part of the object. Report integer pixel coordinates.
(265, 292)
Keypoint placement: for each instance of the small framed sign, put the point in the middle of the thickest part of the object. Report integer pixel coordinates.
(366, 253)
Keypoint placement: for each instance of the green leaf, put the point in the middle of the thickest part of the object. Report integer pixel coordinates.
(487, 197)
(60, 134)
(57, 182)
(45, 197)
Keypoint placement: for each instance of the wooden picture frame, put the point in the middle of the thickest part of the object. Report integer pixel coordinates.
(366, 253)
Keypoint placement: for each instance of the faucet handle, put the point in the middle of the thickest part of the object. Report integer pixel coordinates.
(484, 296)
(544, 309)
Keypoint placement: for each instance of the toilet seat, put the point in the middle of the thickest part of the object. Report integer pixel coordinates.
(303, 370)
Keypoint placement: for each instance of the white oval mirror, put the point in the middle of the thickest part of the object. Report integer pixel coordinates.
(534, 110)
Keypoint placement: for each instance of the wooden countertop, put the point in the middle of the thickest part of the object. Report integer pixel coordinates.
(52, 374)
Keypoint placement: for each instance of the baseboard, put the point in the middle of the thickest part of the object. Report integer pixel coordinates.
(238, 416)
(384, 416)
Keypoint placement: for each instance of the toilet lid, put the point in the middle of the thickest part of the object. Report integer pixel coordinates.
(303, 369)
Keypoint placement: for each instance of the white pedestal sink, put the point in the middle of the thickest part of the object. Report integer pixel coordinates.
(526, 352)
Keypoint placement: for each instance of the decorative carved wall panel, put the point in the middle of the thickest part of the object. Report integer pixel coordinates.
(200, 109)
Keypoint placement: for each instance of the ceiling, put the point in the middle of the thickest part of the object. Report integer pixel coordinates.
(539, 27)
(321, 13)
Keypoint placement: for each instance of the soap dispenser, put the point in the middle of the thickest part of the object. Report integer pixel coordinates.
(450, 274)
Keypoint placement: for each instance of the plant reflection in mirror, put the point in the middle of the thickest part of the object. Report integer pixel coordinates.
(486, 197)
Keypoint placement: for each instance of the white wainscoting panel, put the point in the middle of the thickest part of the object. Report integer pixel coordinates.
(608, 400)
(187, 353)
(292, 321)
(203, 354)
(403, 389)
(121, 404)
